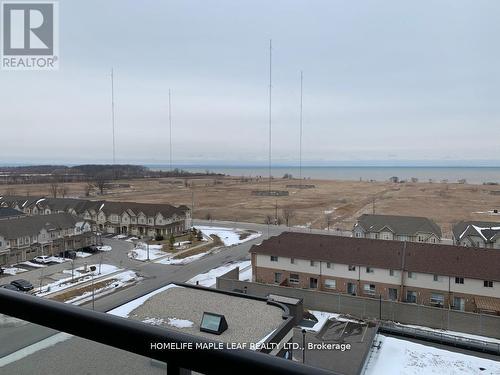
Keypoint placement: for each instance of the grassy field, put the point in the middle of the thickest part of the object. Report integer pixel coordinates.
(232, 199)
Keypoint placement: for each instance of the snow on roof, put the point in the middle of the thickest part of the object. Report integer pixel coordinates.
(100, 208)
(40, 200)
(24, 204)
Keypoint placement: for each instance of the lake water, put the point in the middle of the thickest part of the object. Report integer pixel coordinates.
(474, 175)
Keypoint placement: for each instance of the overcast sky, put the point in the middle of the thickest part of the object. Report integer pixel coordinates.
(383, 80)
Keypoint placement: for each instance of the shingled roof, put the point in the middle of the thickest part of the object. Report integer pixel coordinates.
(489, 231)
(406, 225)
(446, 260)
(32, 225)
(7, 212)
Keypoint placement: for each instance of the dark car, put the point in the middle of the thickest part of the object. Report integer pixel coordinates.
(9, 287)
(23, 285)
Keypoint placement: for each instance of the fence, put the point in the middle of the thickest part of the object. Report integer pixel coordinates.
(371, 308)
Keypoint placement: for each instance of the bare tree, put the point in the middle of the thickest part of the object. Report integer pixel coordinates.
(88, 189)
(54, 189)
(269, 219)
(63, 191)
(288, 214)
(101, 181)
(328, 220)
(208, 216)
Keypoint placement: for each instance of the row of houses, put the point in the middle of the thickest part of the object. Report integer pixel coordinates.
(128, 218)
(421, 229)
(24, 237)
(447, 276)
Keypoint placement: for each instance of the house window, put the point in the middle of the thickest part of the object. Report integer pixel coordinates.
(420, 239)
(376, 236)
(391, 272)
(352, 268)
(328, 265)
(488, 284)
(330, 284)
(410, 275)
(274, 258)
(313, 263)
(358, 234)
(294, 278)
(369, 270)
(369, 288)
(459, 280)
(277, 277)
(436, 277)
(292, 261)
(411, 296)
(437, 299)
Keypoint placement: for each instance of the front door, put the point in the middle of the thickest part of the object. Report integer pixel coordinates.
(459, 303)
(393, 294)
(313, 283)
(351, 288)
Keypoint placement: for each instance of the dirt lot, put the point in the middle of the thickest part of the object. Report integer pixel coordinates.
(232, 199)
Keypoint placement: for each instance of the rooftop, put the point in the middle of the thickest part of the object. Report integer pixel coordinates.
(409, 225)
(181, 308)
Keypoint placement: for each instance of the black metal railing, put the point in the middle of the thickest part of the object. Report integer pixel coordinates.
(140, 338)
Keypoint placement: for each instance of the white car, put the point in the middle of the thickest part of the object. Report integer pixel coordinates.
(42, 259)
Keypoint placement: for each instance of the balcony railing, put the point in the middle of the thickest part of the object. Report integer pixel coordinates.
(137, 337)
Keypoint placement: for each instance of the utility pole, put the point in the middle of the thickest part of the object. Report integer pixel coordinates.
(276, 212)
(373, 206)
(270, 108)
(170, 124)
(113, 114)
(192, 205)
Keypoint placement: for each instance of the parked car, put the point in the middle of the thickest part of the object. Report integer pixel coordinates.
(72, 254)
(23, 285)
(1, 271)
(42, 259)
(10, 287)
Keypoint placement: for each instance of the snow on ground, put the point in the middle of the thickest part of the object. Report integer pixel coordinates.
(456, 334)
(121, 279)
(230, 236)
(208, 279)
(180, 323)
(141, 252)
(120, 236)
(13, 270)
(131, 239)
(34, 265)
(401, 357)
(104, 248)
(66, 283)
(178, 261)
(82, 254)
(125, 310)
(58, 259)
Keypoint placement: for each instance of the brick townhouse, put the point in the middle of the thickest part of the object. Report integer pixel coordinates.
(24, 238)
(129, 218)
(437, 275)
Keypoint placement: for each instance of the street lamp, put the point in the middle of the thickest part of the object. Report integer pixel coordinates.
(303, 346)
(92, 269)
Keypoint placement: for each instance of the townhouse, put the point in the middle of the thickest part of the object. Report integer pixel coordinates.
(430, 274)
(24, 238)
(395, 227)
(129, 218)
(10, 213)
(477, 234)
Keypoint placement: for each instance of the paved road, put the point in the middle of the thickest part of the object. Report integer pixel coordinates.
(155, 275)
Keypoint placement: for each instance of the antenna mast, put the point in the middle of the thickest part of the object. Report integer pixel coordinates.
(170, 125)
(270, 106)
(113, 114)
(300, 143)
